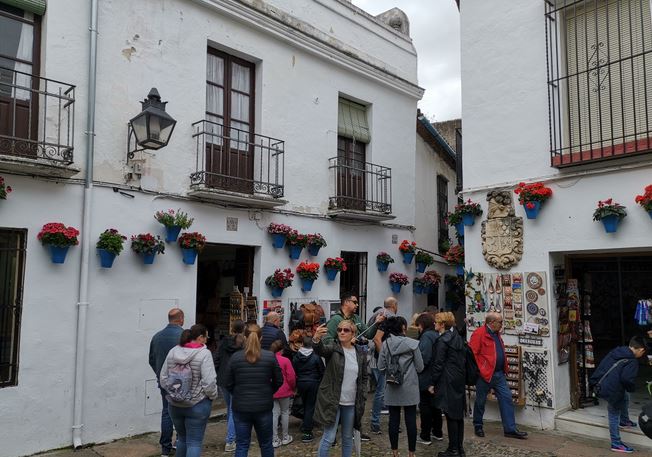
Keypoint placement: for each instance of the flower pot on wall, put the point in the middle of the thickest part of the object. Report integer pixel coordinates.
(172, 233)
(610, 223)
(407, 257)
(418, 288)
(277, 292)
(106, 258)
(58, 253)
(382, 266)
(468, 219)
(650, 214)
(396, 287)
(278, 240)
(313, 249)
(459, 270)
(331, 273)
(148, 258)
(189, 256)
(532, 209)
(295, 251)
(421, 267)
(306, 284)
(459, 227)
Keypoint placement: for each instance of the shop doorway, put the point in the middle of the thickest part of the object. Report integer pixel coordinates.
(221, 268)
(354, 279)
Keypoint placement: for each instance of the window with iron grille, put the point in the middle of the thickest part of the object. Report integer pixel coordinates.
(12, 261)
(442, 212)
(599, 64)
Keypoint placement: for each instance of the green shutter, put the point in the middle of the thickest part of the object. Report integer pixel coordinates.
(352, 121)
(33, 6)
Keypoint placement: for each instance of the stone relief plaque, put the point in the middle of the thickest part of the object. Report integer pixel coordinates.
(502, 232)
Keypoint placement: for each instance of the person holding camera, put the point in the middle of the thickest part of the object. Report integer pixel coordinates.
(400, 361)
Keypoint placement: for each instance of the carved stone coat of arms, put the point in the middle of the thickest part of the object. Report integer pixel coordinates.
(502, 232)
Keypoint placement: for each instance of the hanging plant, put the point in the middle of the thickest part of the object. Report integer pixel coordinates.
(408, 249)
(296, 242)
(332, 266)
(383, 259)
(279, 233)
(191, 244)
(279, 280)
(148, 246)
(644, 200)
(432, 278)
(397, 280)
(418, 285)
(465, 212)
(315, 242)
(455, 255)
(174, 222)
(532, 196)
(610, 214)
(308, 272)
(109, 245)
(58, 238)
(5, 189)
(423, 259)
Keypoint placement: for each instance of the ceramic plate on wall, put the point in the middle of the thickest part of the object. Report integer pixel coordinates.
(534, 281)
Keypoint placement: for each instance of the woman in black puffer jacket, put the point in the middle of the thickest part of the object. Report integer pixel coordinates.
(252, 378)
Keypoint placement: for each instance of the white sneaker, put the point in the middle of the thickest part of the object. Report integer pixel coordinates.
(229, 447)
(287, 440)
(276, 443)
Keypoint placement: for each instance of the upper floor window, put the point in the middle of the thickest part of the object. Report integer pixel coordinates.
(599, 79)
(443, 241)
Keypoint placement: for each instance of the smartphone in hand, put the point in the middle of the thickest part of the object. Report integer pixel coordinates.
(322, 320)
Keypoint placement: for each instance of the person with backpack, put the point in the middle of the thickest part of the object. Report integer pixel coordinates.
(252, 378)
(343, 390)
(188, 376)
(309, 369)
(282, 397)
(614, 378)
(489, 351)
(431, 423)
(228, 346)
(400, 360)
(448, 380)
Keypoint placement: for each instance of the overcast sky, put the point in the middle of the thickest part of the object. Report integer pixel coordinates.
(435, 31)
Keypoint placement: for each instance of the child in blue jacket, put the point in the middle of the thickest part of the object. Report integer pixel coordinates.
(613, 380)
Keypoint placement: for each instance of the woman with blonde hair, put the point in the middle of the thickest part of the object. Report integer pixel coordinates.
(253, 377)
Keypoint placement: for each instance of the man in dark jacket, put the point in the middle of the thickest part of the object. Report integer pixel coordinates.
(614, 378)
(309, 369)
(430, 415)
(272, 331)
(159, 347)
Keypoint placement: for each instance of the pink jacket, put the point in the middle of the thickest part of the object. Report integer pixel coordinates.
(289, 378)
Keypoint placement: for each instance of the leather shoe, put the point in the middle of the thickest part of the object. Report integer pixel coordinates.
(516, 434)
(449, 453)
(479, 432)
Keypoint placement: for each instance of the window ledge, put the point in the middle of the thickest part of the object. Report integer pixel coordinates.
(355, 215)
(236, 198)
(617, 151)
(39, 167)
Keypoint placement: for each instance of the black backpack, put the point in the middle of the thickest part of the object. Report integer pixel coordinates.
(393, 373)
(471, 371)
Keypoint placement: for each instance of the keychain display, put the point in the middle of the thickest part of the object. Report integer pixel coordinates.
(643, 315)
(537, 377)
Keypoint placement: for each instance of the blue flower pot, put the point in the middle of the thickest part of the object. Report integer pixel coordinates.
(295, 251)
(331, 273)
(278, 240)
(277, 292)
(148, 259)
(418, 289)
(610, 223)
(650, 214)
(172, 233)
(421, 267)
(468, 219)
(407, 257)
(459, 269)
(532, 213)
(189, 256)
(313, 249)
(306, 284)
(382, 266)
(106, 258)
(459, 227)
(396, 287)
(58, 254)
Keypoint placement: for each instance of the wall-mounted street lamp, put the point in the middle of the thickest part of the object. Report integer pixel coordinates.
(152, 128)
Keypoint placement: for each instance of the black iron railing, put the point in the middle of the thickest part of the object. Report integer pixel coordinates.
(361, 186)
(238, 160)
(37, 117)
(599, 66)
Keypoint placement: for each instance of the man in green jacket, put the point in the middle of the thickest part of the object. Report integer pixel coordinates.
(347, 312)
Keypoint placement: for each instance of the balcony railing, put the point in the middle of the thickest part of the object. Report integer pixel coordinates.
(237, 160)
(37, 117)
(360, 186)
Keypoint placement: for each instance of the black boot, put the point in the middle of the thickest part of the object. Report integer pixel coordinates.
(449, 453)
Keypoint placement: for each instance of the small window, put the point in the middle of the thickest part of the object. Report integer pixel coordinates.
(352, 121)
(442, 213)
(12, 264)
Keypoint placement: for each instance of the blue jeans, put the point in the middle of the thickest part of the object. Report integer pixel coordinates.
(166, 427)
(379, 398)
(262, 423)
(618, 413)
(191, 425)
(345, 415)
(503, 394)
(230, 426)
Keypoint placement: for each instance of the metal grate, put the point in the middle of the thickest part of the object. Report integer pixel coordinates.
(361, 186)
(442, 214)
(599, 68)
(12, 261)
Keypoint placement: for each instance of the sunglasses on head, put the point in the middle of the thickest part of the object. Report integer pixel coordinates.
(343, 329)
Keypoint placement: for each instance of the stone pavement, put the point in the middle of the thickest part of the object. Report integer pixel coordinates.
(540, 444)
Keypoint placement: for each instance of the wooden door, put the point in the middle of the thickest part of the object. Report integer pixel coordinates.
(351, 192)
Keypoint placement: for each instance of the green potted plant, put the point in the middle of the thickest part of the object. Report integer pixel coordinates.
(431, 281)
(279, 233)
(279, 280)
(397, 280)
(423, 259)
(296, 242)
(408, 250)
(610, 214)
(147, 245)
(191, 244)
(315, 242)
(383, 260)
(455, 256)
(418, 285)
(332, 266)
(109, 245)
(532, 196)
(308, 272)
(58, 238)
(5, 189)
(174, 222)
(644, 200)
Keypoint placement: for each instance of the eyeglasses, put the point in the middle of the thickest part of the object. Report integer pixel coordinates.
(355, 302)
(343, 330)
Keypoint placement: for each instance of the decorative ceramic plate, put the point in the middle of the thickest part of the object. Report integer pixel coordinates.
(544, 331)
(534, 280)
(532, 308)
(542, 291)
(542, 311)
(531, 296)
(519, 322)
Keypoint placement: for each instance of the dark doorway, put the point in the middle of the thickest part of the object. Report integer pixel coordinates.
(221, 268)
(351, 186)
(354, 279)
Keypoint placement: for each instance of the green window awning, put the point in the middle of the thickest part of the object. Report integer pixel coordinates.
(352, 121)
(33, 6)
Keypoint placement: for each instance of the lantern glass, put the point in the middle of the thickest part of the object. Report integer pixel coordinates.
(153, 126)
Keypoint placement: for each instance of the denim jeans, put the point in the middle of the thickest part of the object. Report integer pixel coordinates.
(230, 426)
(618, 413)
(166, 427)
(379, 398)
(281, 409)
(191, 426)
(308, 392)
(262, 423)
(345, 415)
(503, 394)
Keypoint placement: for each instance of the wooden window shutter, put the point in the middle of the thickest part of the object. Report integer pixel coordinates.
(31, 6)
(352, 121)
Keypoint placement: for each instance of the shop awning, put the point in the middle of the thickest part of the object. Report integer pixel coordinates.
(352, 121)
(33, 6)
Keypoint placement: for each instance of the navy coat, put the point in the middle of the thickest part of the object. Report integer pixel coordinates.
(619, 380)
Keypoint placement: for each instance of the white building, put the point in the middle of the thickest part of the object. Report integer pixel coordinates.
(559, 92)
(320, 98)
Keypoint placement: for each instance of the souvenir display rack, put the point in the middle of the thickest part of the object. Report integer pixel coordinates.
(585, 356)
(514, 375)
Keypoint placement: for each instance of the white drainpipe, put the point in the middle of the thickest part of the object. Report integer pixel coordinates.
(82, 304)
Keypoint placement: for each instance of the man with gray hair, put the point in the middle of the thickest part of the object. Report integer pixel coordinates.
(272, 331)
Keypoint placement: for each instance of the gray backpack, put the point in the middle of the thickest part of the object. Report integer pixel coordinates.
(179, 382)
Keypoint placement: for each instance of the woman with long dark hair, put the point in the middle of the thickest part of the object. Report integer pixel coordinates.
(188, 375)
(253, 377)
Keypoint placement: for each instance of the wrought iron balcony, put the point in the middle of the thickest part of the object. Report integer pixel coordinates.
(360, 190)
(37, 118)
(238, 166)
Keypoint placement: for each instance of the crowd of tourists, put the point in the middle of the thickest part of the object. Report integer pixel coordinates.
(260, 376)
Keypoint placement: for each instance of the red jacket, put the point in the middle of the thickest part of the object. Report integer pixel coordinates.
(484, 348)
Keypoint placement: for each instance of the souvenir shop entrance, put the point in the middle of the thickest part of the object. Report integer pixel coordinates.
(609, 289)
